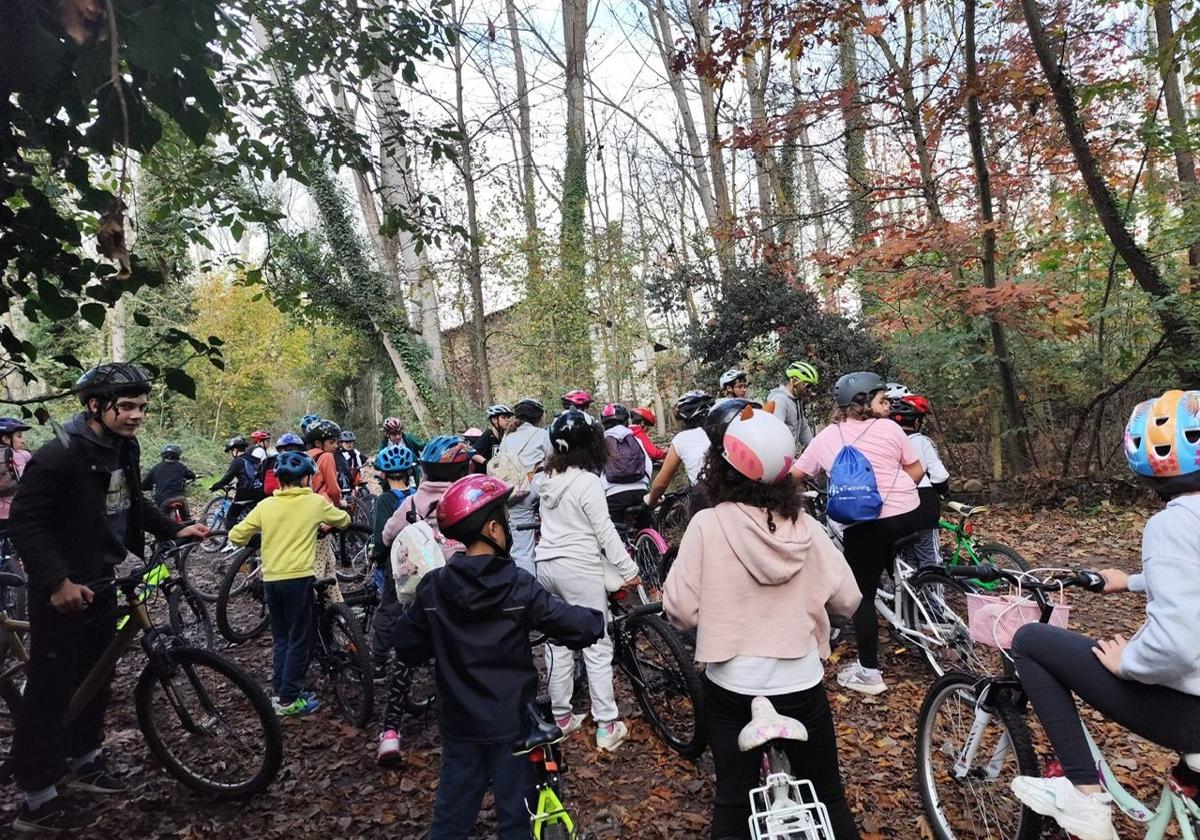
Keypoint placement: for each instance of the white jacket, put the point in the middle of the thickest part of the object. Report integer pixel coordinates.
(576, 529)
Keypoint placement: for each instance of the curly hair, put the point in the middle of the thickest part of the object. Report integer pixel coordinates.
(722, 483)
(591, 458)
(854, 411)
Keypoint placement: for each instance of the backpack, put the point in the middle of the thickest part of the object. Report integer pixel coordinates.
(626, 460)
(507, 467)
(8, 473)
(252, 474)
(853, 491)
(422, 544)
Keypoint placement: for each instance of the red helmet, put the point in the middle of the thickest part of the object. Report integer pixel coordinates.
(577, 399)
(260, 436)
(645, 414)
(392, 425)
(921, 404)
(469, 496)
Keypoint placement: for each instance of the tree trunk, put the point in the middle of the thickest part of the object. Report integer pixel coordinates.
(116, 326)
(1181, 144)
(1179, 332)
(525, 164)
(855, 141)
(764, 161)
(698, 12)
(1014, 443)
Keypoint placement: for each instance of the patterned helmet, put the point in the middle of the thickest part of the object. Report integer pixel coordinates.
(693, 406)
(463, 508)
(446, 449)
(393, 426)
(614, 414)
(1162, 438)
(324, 430)
(573, 430)
(760, 446)
(577, 399)
(395, 459)
(499, 410)
(291, 466)
(307, 421)
(803, 371)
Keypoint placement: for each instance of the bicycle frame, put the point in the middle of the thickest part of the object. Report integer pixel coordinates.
(139, 620)
(784, 807)
(903, 601)
(549, 809)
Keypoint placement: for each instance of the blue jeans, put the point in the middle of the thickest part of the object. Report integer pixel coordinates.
(467, 770)
(290, 604)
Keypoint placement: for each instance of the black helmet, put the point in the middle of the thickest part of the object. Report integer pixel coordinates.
(692, 407)
(857, 387)
(904, 413)
(573, 430)
(112, 380)
(322, 430)
(236, 442)
(719, 416)
(614, 414)
(529, 410)
(347, 436)
(171, 452)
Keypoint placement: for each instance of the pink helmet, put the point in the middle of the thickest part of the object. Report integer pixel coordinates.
(760, 446)
(469, 496)
(577, 399)
(392, 425)
(260, 436)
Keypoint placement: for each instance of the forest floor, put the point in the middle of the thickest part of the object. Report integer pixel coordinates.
(330, 785)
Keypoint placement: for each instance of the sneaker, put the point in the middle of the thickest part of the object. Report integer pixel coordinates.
(299, 707)
(856, 678)
(1087, 816)
(95, 778)
(389, 747)
(1185, 781)
(609, 736)
(570, 723)
(58, 816)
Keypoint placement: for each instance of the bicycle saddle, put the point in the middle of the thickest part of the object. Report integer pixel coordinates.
(768, 725)
(9, 579)
(320, 583)
(965, 510)
(543, 733)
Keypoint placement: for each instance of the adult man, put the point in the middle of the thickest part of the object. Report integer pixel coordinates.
(498, 417)
(789, 400)
(733, 384)
(528, 443)
(80, 511)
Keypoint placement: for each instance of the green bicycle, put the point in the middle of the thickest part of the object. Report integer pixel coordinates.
(966, 549)
(548, 816)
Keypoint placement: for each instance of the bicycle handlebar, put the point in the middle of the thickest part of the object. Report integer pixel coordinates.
(1084, 579)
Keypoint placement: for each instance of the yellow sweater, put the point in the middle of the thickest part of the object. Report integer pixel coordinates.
(288, 523)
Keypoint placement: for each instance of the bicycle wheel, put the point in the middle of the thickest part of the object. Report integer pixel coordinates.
(422, 691)
(1002, 557)
(666, 684)
(350, 552)
(673, 516)
(969, 798)
(347, 661)
(241, 603)
(202, 570)
(936, 608)
(189, 617)
(555, 831)
(648, 553)
(10, 701)
(209, 724)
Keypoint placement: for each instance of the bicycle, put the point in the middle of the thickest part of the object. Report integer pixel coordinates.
(647, 548)
(12, 598)
(782, 807)
(972, 738)
(352, 552)
(216, 516)
(966, 549)
(672, 515)
(188, 700)
(548, 816)
(186, 612)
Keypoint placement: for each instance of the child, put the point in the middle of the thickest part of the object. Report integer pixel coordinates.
(626, 474)
(349, 461)
(168, 479)
(909, 411)
(396, 466)
(578, 541)
(641, 421)
(688, 448)
(1150, 683)
(474, 616)
(243, 475)
(288, 442)
(288, 522)
(755, 553)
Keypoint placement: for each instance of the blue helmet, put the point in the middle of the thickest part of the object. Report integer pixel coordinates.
(292, 466)
(289, 439)
(395, 459)
(446, 449)
(306, 421)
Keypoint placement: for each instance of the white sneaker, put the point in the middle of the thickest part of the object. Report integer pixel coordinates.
(856, 678)
(1087, 816)
(570, 723)
(389, 747)
(609, 736)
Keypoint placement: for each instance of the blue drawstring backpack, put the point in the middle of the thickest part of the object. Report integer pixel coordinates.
(853, 490)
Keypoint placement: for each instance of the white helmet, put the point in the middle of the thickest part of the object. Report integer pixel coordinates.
(760, 446)
(895, 391)
(730, 376)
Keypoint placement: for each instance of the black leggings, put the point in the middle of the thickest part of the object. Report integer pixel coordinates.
(1054, 664)
(868, 549)
(816, 759)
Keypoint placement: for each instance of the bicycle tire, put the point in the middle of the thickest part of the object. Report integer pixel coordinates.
(666, 684)
(210, 517)
(189, 617)
(347, 662)
(201, 573)
(943, 614)
(239, 629)
(1011, 559)
(351, 558)
(555, 831)
(648, 551)
(254, 710)
(967, 817)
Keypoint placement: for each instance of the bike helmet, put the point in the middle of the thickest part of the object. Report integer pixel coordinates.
(171, 452)
(895, 390)
(921, 404)
(260, 436)
(236, 442)
(395, 459)
(393, 426)
(11, 425)
(614, 414)
(446, 449)
(573, 430)
(288, 439)
(718, 417)
(1162, 441)
(643, 414)
(529, 409)
(729, 377)
(693, 407)
(857, 387)
(803, 371)
(759, 445)
(292, 466)
(469, 504)
(109, 381)
(347, 436)
(499, 410)
(904, 413)
(577, 399)
(307, 421)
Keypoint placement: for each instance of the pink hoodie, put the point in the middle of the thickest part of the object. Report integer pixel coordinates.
(750, 592)
(424, 500)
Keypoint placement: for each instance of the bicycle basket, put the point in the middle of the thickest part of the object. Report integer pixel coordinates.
(787, 809)
(993, 619)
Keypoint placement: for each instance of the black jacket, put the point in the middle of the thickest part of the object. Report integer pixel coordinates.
(58, 522)
(474, 616)
(238, 475)
(168, 480)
